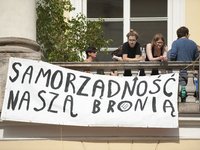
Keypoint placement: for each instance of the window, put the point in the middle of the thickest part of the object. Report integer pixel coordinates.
(105, 8)
(147, 17)
(148, 8)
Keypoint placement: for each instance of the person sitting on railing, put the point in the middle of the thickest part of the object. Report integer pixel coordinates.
(131, 50)
(156, 50)
(91, 53)
(183, 49)
(116, 56)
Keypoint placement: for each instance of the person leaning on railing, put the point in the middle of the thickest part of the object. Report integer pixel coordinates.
(183, 49)
(156, 50)
(131, 50)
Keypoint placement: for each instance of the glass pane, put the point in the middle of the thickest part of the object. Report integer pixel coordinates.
(102, 56)
(114, 31)
(147, 30)
(105, 8)
(148, 8)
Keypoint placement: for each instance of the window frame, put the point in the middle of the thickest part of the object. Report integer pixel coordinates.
(175, 17)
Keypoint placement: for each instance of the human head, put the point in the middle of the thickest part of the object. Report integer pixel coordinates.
(182, 31)
(156, 38)
(90, 50)
(132, 38)
(132, 33)
(117, 52)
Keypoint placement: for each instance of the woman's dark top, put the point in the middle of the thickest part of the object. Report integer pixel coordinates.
(131, 54)
(131, 51)
(154, 71)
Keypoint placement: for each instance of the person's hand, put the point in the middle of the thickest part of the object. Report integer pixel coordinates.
(161, 58)
(164, 58)
(142, 58)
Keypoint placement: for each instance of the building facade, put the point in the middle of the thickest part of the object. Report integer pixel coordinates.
(18, 38)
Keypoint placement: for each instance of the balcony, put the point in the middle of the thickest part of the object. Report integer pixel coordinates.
(189, 112)
(190, 106)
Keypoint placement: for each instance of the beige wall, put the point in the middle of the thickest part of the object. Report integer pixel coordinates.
(18, 19)
(192, 19)
(101, 145)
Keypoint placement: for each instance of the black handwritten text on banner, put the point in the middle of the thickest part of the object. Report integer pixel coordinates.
(44, 93)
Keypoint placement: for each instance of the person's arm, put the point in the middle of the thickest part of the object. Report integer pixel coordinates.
(149, 54)
(120, 59)
(117, 59)
(174, 52)
(196, 53)
(137, 55)
(137, 58)
(164, 53)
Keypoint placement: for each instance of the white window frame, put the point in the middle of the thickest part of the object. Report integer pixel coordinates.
(175, 17)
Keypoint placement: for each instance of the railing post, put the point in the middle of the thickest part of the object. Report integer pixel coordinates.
(107, 71)
(134, 72)
(120, 72)
(93, 71)
(148, 72)
(162, 71)
(190, 87)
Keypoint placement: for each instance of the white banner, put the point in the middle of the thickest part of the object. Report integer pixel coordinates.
(44, 93)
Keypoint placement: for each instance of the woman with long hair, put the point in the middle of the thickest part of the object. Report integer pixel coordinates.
(156, 50)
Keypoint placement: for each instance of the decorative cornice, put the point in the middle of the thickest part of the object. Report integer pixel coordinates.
(6, 44)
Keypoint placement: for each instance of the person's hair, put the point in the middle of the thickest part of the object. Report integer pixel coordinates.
(117, 52)
(90, 50)
(144, 46)
(132, 33)
(182, 31)
(120, 47)
(157, 37)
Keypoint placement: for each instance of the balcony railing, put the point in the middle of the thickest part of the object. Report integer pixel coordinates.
(190, 106)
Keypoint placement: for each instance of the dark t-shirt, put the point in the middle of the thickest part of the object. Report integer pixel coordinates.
(131, 54)
(131, 51)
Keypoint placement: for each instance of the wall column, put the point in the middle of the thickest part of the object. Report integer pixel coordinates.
(17, 35)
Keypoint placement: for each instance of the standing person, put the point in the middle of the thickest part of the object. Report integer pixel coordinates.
(183, 49)
(156, 50)
(91, 53)
(131, 50)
